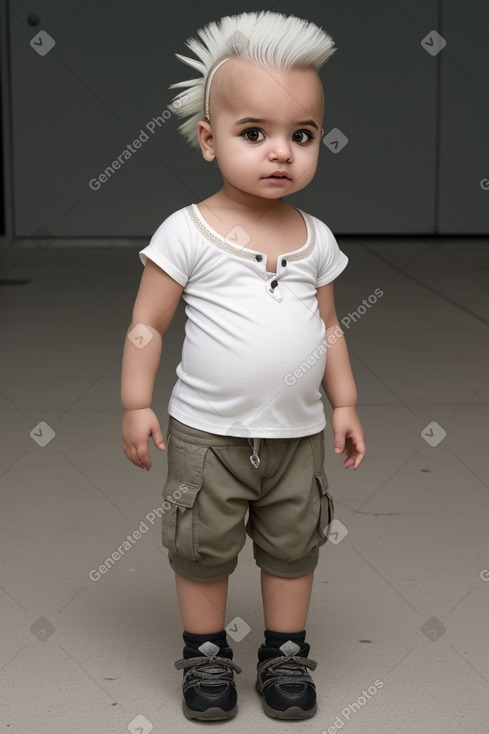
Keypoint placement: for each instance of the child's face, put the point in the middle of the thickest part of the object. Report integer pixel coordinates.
(283, 135)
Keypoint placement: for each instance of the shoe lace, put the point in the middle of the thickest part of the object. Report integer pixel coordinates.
(290, 669)
(213, 669)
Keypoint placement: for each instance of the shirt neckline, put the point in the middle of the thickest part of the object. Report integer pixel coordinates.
(213, 236)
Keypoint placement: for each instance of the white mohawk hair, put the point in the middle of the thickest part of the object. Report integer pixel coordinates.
(272, 40)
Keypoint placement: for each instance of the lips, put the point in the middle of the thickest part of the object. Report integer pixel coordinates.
(278, 174)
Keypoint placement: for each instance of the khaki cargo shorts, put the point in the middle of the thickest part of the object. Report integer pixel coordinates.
(215, 481)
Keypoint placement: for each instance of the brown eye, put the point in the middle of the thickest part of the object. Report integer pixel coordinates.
(301, 136)
(252, 134)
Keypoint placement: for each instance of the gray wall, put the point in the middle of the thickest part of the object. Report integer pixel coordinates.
(416, 121)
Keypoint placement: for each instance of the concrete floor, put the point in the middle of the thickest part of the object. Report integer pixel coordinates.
(398, 621)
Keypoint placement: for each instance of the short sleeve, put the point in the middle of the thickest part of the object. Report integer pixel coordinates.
(332, 261)
(171, 248)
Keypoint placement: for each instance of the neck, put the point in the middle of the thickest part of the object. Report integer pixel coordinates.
(248, 203)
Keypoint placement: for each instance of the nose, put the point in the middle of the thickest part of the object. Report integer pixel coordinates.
(280, 149)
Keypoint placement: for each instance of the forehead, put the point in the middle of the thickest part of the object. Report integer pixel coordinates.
(245, 86)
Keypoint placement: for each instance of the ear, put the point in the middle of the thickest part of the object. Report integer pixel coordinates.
(206, 140)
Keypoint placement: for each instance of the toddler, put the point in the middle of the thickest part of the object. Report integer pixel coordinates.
(246, 421)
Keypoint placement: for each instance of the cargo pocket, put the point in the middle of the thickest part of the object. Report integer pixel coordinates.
(326, 512)
(184, 481)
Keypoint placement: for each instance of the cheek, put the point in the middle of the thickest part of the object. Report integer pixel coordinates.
(245, 154)
(249, 154)
(309, 160)
(231, 150)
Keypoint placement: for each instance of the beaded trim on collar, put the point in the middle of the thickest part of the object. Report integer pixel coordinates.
(224, 244)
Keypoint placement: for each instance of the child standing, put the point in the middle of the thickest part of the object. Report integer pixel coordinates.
(246, 420)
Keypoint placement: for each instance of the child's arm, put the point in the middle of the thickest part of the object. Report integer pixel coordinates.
(339, 384)
(155, 306)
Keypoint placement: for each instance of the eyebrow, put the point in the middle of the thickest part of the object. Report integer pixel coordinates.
(255, 119)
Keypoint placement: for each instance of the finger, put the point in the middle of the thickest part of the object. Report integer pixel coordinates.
(130, 452)
(339, 443)
(350, 453)
(358, 460)
(133, 456)
(349, 461)
(143, 456)
(158, 439)
(349, 447)
(360, 454)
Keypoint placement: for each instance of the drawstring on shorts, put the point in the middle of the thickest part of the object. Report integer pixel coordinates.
(254, 458)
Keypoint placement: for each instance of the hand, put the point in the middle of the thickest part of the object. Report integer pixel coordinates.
(348, 436)
(137, 426)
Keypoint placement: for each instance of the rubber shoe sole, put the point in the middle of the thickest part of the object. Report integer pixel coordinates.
(211, 714)
(292, 713)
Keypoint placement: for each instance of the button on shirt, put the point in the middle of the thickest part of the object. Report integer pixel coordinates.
(254, 352)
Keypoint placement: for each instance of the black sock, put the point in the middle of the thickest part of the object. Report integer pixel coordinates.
(193, 641)
(276, 639)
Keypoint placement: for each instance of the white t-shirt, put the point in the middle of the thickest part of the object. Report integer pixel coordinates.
(254, 352)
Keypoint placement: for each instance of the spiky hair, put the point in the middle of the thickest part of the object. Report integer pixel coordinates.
(272, 40)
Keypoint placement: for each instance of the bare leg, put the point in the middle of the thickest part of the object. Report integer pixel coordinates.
(202, 604)
(286, 602)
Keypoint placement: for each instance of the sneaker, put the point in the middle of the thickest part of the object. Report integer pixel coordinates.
(283, 680)
(209, 690)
